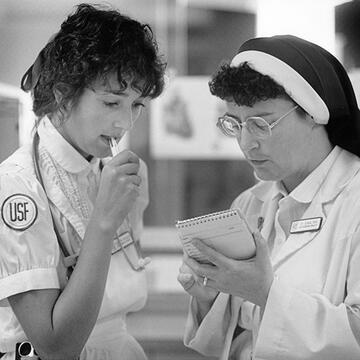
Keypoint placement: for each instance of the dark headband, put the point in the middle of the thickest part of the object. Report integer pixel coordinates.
(32, 74)
(313, 78)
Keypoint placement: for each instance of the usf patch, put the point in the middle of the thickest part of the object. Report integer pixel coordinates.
(19, 211)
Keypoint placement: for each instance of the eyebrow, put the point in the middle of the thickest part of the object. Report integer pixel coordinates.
(266, 113)
(120, 92)
(232, 116)
(258, 115)
(116, 92)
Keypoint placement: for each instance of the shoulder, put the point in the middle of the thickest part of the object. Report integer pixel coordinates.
(17, 172)
(20, 162)
(347, 179)
(21, 194)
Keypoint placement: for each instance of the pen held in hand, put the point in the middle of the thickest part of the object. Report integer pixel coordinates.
(115, 149)
(113, 146)
(260, 223)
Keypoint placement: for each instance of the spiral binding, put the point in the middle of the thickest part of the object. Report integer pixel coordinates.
(206, 218)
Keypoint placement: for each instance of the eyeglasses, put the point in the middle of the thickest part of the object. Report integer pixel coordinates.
(256, 125)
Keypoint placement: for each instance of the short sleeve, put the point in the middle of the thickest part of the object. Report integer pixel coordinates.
(29, 253)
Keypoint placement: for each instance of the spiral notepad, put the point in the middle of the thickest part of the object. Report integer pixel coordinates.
(226, 231)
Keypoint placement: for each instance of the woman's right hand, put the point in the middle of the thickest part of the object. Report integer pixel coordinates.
(193, 284)
(118, 190)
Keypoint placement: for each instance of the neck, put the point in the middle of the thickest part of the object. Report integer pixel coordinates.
(317, 154)
(60, 126)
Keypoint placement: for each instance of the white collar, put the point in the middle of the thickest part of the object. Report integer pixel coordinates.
(63, 152)
(307, 189)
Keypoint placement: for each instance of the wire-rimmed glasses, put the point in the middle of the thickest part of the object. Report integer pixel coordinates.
(256, 125)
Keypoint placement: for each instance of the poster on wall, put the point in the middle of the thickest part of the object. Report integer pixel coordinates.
(183, 123)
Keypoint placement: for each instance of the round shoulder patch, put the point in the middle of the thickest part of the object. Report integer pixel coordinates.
(19, 211)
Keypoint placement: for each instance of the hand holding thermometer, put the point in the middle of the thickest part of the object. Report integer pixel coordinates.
(142, 262)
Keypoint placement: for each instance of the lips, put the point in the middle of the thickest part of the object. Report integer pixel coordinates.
(107, 137)
(257, 162)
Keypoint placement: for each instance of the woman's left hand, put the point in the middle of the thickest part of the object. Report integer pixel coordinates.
(249, 279)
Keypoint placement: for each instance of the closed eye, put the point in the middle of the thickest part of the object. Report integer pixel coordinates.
(139, 105)
(111, 103)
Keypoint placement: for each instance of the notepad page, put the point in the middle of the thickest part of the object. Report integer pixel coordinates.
(223, 230)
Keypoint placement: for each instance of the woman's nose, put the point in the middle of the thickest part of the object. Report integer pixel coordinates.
(247, 141)
(125, 121)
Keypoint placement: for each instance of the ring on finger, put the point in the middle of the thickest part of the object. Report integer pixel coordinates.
(205, 280)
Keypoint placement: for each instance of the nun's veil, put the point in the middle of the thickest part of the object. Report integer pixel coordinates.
(313, 78)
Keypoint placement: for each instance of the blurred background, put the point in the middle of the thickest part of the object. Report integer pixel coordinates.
(193, 169)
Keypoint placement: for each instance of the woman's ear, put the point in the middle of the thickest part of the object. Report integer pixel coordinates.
(61, 91)
(61, 94)
(58, 96)
(61, 108)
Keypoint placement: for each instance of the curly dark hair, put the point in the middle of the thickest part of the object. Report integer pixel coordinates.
(93, 42)
(243, 85)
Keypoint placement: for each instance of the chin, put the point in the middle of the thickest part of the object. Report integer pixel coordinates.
(103, 153)
(265, 176)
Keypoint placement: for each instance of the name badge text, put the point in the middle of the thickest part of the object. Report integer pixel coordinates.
(303, 225)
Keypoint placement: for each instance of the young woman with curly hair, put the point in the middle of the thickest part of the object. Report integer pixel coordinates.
(70, 268)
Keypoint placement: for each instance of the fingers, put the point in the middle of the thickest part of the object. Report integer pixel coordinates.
(199, 270)
(128, 169)
(212, 255)
(186, 280)
(125, 163)
(262, 250)
(128, 182)
(134, 179)
(123, 173)
(186, 277)
(124, 157)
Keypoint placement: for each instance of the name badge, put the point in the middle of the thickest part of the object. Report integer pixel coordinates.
(312, 224)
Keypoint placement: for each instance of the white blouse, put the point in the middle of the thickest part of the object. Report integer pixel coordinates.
(30, 257)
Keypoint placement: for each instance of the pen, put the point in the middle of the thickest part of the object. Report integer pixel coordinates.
(113, 146)
(260, 223)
